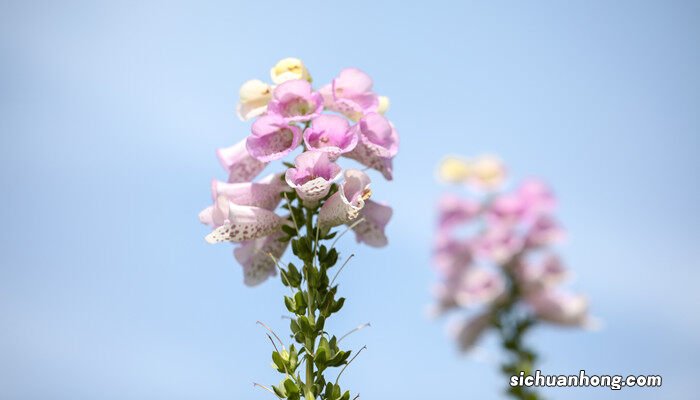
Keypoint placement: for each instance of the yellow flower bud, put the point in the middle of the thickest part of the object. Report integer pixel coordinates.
(383, 104)
(488, 171)
(254, 96)
(454, 170)
(288, 69)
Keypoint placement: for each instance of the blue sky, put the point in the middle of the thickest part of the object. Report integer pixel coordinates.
(110, 114)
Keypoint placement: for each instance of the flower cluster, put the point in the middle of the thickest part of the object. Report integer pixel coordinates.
(301, 204)
(341, 119)
(494, 255)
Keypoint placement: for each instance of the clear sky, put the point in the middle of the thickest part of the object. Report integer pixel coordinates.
(110, 114)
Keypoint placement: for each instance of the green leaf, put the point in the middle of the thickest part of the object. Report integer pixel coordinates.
(290, 386)
(278, 362)
(290, 304)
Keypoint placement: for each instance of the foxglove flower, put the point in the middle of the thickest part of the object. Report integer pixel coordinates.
(264, 194)
(289, 69)
(330, 134)
(543, 275)
(351, 94)
(254, 96)
(239, 164)
(482, 173)
(452, 256)
(295, 101)
(370, 230)
(537, 197)
(312, 176)
(258, 257)
(468, 332)
(487, 172)
(512, 231)
(498, 244)
(506, 210)
(345, 204)
(454, 211)
(236, 223)
(477, 286)
(560, 308)
(545, 230)
(272, 138)
(244, 209)
(378, 144)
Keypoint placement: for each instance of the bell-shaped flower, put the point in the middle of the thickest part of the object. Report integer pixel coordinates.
(453, 169)
(240, 165)
(498, 243)
(350, 94)
(560, 308)
(235, 223)
(345, 204)
(477, 286)
(545, 230)
(487, 172)
(295, 101)
(454, 211)
(330, 134)
(452, 256)
(468, 332)
(288, 69)
(217, 214)
(378, 144)
(506, 209)
(272, 138)
(312, 176)
(254, 96)
(258, 257)
(543, 275)
(264, 194)
(370, 230)
(537, 197)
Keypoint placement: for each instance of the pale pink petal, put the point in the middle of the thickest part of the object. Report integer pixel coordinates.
(375, 216)
(258, 257)
(244, 223)
(240, 165)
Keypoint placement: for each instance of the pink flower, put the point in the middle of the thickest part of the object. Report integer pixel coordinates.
(350, 94)
(545, 230)
(264, 194)
(477, 286)
(312, 176)
(272, 138)
(295, 101)
(468, 332)
(330, 134)
(256, 257)
(453, 211)
(378, 144)
(499, 244)
(371, 229)
(234, 223)
(536, 277)
(537, 197)
(345, 204)
(240, 165)
(507, 209)
(452, 256)
(560, 308)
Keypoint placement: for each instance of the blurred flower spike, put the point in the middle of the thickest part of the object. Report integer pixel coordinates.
(495, 258)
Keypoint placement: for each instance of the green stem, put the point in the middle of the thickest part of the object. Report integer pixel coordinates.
(513, 328)
(311, 313)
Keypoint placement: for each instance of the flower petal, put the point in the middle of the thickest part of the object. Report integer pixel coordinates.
(240, 165)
